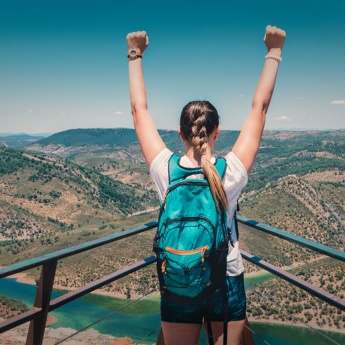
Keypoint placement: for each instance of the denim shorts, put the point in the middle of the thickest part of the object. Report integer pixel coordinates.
(212, 308)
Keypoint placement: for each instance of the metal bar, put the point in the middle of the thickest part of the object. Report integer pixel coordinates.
(23, 266)
(73, 295)
(43, 305)
(320, 248)
(42, 301)
(314, 290)
(18, 320)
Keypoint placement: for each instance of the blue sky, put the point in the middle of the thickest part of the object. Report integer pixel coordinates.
(63, 63)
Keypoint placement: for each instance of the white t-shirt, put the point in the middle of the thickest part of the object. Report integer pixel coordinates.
(234, 181)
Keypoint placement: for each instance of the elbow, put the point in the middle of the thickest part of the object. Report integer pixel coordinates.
(138, 107)
(260, 107)
(261, 101)
(133, 110)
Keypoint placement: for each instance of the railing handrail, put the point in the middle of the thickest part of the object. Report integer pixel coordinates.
(79, 248)
(292, 279)
(74, 294)
(43, 304)
(303, 242)
(35, 262)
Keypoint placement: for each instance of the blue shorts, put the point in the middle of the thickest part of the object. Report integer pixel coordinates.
(211, 309)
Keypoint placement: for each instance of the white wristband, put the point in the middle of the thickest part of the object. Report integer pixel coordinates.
(274, 57)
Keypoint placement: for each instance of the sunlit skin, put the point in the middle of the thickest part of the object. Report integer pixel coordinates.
(245, 148)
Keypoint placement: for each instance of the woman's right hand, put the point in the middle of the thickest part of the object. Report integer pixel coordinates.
(248, 142)
(274, 39)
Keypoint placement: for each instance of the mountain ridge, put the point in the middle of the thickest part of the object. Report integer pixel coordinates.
(54, 195)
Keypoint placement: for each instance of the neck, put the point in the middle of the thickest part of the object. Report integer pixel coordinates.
(195, 156)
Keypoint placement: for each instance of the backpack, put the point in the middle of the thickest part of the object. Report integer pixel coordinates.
(192, 239)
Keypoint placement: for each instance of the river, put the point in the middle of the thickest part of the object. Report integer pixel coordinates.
(139, 319)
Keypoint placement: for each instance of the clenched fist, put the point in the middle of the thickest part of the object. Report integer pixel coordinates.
(137, 40)
(274, 39)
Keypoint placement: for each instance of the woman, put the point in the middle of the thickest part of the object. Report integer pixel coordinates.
(199, 129)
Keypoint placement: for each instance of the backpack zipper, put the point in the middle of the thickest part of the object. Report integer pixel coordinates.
(201, 250)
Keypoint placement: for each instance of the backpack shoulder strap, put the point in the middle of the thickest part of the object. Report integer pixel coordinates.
(235, 219)
(220, 165)
(178, 172)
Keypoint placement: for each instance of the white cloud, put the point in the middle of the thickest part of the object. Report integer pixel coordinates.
(118, 113)
(29, 110)
(241, 96)
(283, 118)
(340, 101)
(300, 97)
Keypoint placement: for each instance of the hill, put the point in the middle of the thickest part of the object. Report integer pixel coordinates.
(18, 140)
(10, 307)
(298, 153)
(116, 143)
(281, 152)
(78, 185)
(40, 192)
(48, 203)
(297, 183)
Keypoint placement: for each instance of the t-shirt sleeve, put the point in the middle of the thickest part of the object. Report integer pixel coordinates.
(159, 171)
(235, 179)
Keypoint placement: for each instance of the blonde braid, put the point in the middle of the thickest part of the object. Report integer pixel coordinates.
(199, 134)
(200, 141)
(216, 185)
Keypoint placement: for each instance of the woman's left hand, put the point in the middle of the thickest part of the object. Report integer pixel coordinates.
(137, 40)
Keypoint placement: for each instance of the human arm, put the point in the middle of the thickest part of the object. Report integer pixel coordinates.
(149, 139)
(247, 144)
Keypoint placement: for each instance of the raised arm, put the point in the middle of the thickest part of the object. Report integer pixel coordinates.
(247, 144)
(149, 139)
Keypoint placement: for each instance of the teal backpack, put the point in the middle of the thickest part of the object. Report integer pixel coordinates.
(192, 239)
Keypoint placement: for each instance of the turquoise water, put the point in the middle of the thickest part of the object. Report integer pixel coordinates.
(139, 319)
(288, 335)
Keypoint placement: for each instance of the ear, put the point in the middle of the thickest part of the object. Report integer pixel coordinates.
(216, 133)
(180, 134)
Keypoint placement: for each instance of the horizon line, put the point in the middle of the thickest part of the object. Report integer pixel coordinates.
(168, 129)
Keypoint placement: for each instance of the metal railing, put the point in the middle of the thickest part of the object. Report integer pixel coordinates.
(292, 279)
(43, 304)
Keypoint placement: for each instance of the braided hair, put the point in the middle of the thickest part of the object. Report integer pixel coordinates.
(197, 122)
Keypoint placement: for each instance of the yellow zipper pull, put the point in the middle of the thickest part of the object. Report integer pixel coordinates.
(164, 265)
(203, 253)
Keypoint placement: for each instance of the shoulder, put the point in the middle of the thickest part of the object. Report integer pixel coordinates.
(235, 165)
(159, 171)
(235, 178)
(161, 159)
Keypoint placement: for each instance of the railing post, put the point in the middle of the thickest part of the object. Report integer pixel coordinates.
(42, 301)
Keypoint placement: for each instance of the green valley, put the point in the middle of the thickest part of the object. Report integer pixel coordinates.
(83, 184)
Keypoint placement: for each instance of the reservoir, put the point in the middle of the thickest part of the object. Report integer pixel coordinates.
(139, 319)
